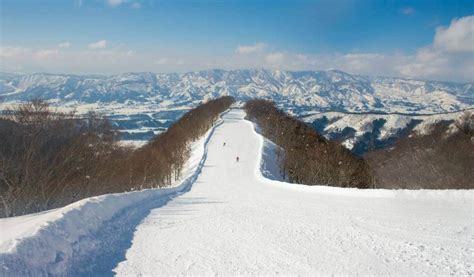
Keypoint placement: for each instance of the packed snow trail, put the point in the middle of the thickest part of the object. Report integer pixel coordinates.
(234, 221)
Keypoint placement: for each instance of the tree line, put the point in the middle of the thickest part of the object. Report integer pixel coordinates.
(305, 156)
(49, 159)
(161, 160)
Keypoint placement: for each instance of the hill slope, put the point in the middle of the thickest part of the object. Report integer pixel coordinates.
(234, 221)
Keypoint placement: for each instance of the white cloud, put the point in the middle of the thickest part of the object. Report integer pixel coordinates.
(449, 60)
(450, 57)
(249, 49)
(101, 44)
(64, 44)
(408, 11)
(275, 59)
(427, 63)
(136, 5)
(17, 53)
(80, 61)
(11, 52)
(161, 61)
(458, 37)
(431, 63)
(115, 3)
(46, 53)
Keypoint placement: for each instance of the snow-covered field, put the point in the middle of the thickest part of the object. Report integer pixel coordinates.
(228, 218)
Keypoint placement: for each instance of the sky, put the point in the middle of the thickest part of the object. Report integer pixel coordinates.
(426, 39)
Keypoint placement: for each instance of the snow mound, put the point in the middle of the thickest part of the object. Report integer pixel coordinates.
(269, 166)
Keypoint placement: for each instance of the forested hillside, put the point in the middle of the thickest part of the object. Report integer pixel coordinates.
(49, 159)
(305, 156)
(441, 158)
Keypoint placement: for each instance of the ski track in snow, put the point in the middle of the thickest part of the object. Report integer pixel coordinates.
(227, 218)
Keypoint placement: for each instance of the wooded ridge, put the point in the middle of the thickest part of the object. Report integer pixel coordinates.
(49, 159)
(305, 156)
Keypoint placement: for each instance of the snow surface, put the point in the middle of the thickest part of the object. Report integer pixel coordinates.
(227, 218)
(269, 166)
(132, 143)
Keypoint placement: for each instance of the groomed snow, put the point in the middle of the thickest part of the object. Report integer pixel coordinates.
(227, 218)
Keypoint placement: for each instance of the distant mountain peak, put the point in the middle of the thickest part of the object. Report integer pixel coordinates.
(309, 91)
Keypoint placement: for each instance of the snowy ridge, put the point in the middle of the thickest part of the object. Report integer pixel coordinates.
(305, 91)
(143, 104)
(50, 240)
(269, 167)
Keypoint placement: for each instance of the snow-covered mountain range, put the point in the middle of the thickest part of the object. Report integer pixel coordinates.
(302, 92)
(338, 104)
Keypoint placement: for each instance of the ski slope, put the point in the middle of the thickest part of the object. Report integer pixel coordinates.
(227, 218)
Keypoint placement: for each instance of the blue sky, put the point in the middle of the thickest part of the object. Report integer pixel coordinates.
(143, 35)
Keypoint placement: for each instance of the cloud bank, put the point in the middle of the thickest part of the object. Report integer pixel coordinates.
(101, 44)
(450, 56)
(250, 49)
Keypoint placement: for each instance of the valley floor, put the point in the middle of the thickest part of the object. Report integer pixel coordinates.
(232, 220)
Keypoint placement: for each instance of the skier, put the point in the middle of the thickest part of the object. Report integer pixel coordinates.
(237, 159)
(224, 143)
